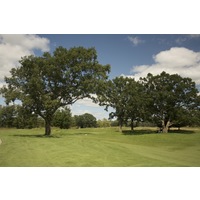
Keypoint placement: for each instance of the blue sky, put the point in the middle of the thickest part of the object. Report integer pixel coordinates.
(123, 52)
(128, 54)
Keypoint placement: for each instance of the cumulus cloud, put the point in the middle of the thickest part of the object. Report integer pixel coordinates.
(87, 106)
(135, 40)
(13, 47)
(86, 102)
(177, 60)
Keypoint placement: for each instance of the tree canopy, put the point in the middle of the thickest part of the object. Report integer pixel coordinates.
(85, 121)
(163, 99)
(125, 95)
(170, 97)
(45, 83)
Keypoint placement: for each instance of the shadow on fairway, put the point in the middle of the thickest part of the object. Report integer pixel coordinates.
(58, 135)
(148, 131)
(138, 132)
(81, 134)
(36, 136)
(182, 131)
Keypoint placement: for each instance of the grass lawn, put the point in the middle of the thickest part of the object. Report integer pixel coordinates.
(99, 147)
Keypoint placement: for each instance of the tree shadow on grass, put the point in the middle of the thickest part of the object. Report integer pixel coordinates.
(150, 131)
(138, 132)
(59, 135)
(36, 136)
(81, 134)
(182, 131)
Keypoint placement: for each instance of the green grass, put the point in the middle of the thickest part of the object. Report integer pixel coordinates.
(99, 147)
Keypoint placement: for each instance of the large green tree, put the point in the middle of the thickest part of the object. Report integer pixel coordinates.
(126, 97)
(46, 83)
(170, 96)
(136, 103)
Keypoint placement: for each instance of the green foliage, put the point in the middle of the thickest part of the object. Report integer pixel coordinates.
(62, 118)
(164, 100)
(114, 123)
(17, 116)
(103, 123)
(44, 84)
(126, 96)
(170, 97)
(7, 116)
(86, 120)
(25, 119)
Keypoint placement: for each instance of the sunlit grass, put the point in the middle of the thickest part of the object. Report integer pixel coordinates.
(100, 147)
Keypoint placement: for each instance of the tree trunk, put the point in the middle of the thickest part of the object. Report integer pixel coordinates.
(165, 129)
(120, 126)
(165, 126)
(132, 125)
(47, 128)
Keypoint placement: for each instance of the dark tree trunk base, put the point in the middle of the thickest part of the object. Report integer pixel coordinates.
(47, 128)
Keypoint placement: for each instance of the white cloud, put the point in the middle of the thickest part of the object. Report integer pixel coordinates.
(194, 36)
(87, 106)
(181, 60)
(86, 102)
(135, 40)
(80, 109)
(13, 47)
(99, 114)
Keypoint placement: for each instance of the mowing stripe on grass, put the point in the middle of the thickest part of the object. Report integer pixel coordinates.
(101, 147)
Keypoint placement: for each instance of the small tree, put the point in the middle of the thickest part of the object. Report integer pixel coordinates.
(25, 119)
(103, 123)
(86, 121)
(62, 118)
(46, 83)
(7, 116)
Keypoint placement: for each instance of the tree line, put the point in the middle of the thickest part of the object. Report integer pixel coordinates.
(164, 100)
(45, 84)
(15, 116)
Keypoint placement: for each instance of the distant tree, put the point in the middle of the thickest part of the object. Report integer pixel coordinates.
(17, 116)
(114, 123)
(169, 97)
(46, 83)
(62, 118)
(85, 121)
(40, 122)
(7, 116)
(103, 123)
(24, 118)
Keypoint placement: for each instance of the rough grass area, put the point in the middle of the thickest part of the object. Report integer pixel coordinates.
(99, 147)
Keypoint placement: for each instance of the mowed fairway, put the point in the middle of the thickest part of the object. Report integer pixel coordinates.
(99, 147)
